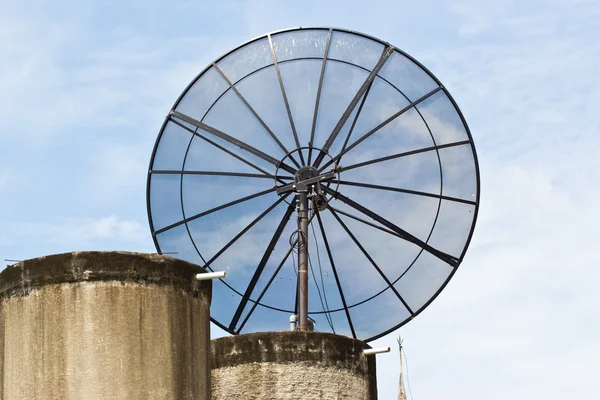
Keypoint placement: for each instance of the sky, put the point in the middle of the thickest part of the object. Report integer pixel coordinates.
(85, 87)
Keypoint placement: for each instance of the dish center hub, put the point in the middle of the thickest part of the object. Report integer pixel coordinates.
(305, 173)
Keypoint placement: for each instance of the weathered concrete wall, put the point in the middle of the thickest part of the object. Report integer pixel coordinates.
(104, 325)
(291, 365)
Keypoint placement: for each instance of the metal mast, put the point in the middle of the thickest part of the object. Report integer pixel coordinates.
(303, 324)
(305, 178)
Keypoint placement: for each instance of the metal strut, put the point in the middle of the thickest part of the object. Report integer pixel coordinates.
(305, 178)
(303, 322)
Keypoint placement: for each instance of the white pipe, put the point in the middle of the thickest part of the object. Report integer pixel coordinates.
(293, 319)
(210, 275)
(368, 352)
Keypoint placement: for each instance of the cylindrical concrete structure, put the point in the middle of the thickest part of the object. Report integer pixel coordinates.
(104, 325)
(291, 365)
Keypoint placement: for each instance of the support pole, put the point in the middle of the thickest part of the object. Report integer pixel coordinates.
(303, 323)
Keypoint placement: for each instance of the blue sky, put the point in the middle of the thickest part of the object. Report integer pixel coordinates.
(85, 87)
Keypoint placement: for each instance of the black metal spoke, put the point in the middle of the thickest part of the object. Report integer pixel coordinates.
(243, 231)
(255, 303)
(373, 263)
(360, 107)
(285, 99)
(307, 182)
(215, 209)
(415, 192)
(262, 264)
(317, 101)
(195, 133)
(364, 221)
(260, 120)
(404, 154)
(451, 260)
(232, 140)
(216, 173)
(335, 274)
(381, 125)
(387, 52)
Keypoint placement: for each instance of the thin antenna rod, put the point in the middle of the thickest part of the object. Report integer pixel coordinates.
(303, 259)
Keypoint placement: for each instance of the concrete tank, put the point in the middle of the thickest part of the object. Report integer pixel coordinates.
(104, 325)
(291, 365)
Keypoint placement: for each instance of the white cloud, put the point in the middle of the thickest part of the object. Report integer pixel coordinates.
(81, 232)
(517, 316)
(8, 177)
(58, 81)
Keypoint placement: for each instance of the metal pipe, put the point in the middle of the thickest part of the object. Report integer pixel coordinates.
(368, 352)
(303, 323)
(210, 275)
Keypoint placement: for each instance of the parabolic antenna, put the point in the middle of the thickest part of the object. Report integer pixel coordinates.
(327, 172)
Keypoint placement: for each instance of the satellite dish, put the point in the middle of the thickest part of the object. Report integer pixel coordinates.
(330, 174)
